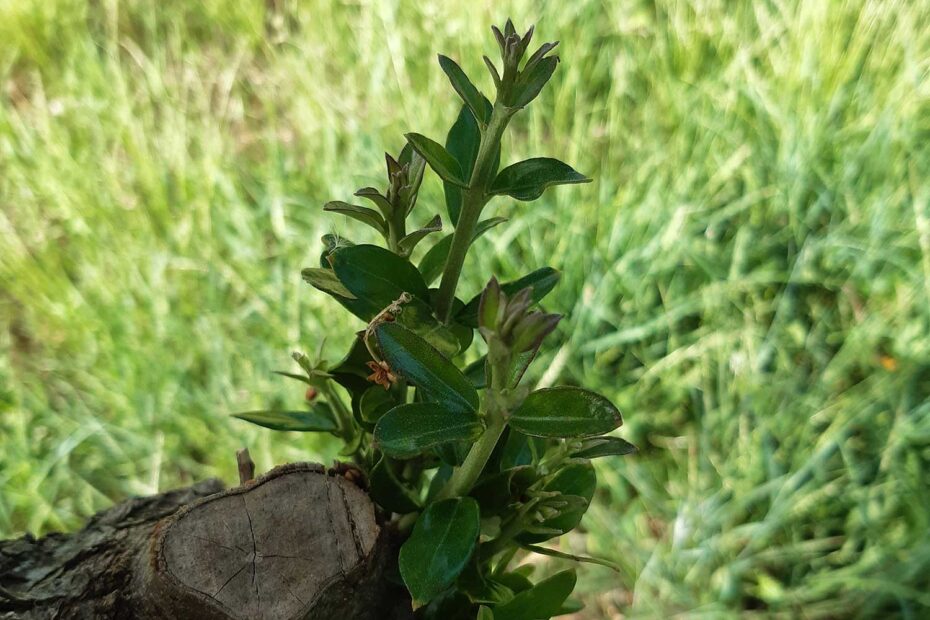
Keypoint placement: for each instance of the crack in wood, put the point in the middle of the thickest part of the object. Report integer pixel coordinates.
(288, 557)
(350, 516)
(221, 546)
(332, 527)
(245, 505)
(226, 583)
(292, 593)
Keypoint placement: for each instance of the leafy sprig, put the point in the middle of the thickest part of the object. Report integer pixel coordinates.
(472, 466)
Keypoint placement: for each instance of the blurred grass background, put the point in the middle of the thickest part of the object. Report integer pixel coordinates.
(748, 277)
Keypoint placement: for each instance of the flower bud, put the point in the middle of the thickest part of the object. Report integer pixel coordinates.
(530, 331)
(489, 305)
(515, 309)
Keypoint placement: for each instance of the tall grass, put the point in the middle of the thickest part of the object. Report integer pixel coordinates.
(748, 277)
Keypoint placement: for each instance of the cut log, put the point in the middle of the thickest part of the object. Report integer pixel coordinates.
(296, 542)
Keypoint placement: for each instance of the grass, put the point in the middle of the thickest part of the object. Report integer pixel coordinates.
(748, 277)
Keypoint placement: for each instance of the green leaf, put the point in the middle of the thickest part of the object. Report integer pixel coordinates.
(416, 166)
(462, 143)
(496, 492)
(411, 429)
(319, 419)
(528, 179)
(438, 158)
(410, 241)
(362, 214)
(565, 412)
(388, 491)
(538, 55)
(452, 604)
(542, 280)
(351, 372)
(532, 80)
(378, 199)
(421, 364)
(521, 450)
(353, 445)
(439, 481)
(326, 281)
(440, 546)
(453, 453)
(604, 446)
(418, 317)
(464, 334)
(485, 613)
(485, 225)
(374, 403)
(570, 606)
(434, 261)
(477, 373)
(527, 570)
(521, 363)
(518, 579)
(478, 585)
(295, 376)
(377, 275)
(466, 90)
(541, 601)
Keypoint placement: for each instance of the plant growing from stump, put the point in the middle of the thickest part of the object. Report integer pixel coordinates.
(471, 465)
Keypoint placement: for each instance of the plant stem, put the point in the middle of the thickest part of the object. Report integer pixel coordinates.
(464, 477)
(473, 201)
(397, 228)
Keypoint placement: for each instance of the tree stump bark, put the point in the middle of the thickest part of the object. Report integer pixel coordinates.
(296, 543)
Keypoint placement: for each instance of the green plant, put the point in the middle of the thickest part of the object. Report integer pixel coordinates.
(474, 466)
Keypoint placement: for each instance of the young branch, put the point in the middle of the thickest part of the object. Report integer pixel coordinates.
(473, 201)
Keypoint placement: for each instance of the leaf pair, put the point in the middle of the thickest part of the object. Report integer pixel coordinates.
(525, 180)
(449, 411)
(454, 163)
(519, 87)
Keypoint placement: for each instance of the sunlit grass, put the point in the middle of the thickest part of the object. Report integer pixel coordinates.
(748, 277)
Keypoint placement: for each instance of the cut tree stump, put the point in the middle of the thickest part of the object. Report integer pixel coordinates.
(297, 542)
